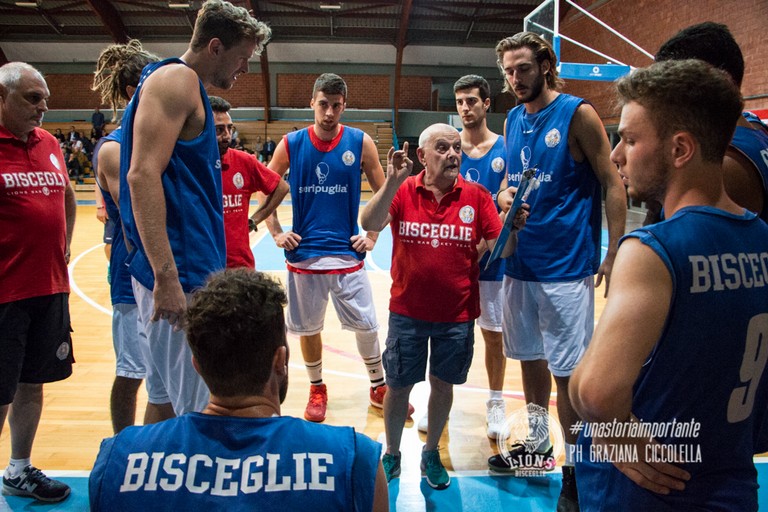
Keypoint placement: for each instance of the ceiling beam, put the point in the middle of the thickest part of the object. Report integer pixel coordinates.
(405, 17)
(50, 21)
(111, 19)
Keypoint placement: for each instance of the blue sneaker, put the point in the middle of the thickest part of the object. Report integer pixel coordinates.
(437, 476)
(391, 465)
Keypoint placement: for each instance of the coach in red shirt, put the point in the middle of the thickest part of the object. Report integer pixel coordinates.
(37, 216)
(440, 224)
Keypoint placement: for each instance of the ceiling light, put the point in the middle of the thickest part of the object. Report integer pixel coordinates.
(179, 5)
(330, 7)
(26, 4)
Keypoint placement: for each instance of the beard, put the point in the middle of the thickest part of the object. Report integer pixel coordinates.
(534, 91)
(656, 178)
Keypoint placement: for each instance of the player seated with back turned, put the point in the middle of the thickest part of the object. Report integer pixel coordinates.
(239, 453)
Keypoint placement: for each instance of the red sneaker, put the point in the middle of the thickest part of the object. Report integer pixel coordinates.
(377, 398)
(317, 404)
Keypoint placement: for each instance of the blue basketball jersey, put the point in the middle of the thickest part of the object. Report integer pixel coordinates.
(192, 188)
(561, 239)
(753, 144)
(120, 289)
(204, 462)
(488, 170)
(706, 370)
(325, 193)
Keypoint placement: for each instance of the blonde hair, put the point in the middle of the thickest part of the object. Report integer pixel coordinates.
(118, 67)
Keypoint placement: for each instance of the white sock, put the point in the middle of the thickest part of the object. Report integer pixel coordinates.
(496, 395)
(16, 466)
(369, 350)
(315, 372)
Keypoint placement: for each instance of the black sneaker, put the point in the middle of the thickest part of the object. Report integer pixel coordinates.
(569, 495)
(34, 484)
(519, 458)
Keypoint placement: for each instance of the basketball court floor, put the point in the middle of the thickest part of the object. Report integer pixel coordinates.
(76, 411)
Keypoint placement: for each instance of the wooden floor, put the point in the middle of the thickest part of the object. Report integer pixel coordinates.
(76, 411)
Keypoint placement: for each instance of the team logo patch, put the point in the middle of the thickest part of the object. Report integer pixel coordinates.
(435, 243)
(63, 351)
(237, 179)
(348, 157)
(321, 171)
(472, 175)
(467, 214)
(497, 164)
(552, 138)
(46, 191)
(55, 161)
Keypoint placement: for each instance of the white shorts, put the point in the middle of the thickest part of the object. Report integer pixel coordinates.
(169, 364)
(308, 300)
(491, 302)
(129, 355)
(552, 321)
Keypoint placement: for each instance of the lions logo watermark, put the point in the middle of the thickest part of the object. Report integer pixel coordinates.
(497, 164)
(348, 158)
(238, 181)
(467, 214)
(530, 427)
(552, 138)
(321, 171)
(472, 175)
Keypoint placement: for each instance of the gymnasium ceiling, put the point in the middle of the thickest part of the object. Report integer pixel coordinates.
(401, 23)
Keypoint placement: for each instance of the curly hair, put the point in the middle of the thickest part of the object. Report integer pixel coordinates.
(711, 42)
(230, 24)
(118, 67)
(687, 96)
(234, 326)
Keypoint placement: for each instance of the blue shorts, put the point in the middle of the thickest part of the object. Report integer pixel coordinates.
(450, 344)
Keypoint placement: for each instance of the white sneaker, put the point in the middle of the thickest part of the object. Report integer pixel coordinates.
(423, 425)
(496, 416)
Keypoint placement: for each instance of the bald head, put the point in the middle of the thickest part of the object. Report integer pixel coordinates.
(23, 98)
(436, 129)
(440, 153)
(11, 74)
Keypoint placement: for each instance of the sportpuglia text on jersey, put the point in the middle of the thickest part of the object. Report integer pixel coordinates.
(200, 474)
(719, 272)
(433, 230)
(541, 176)
(323, 189)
